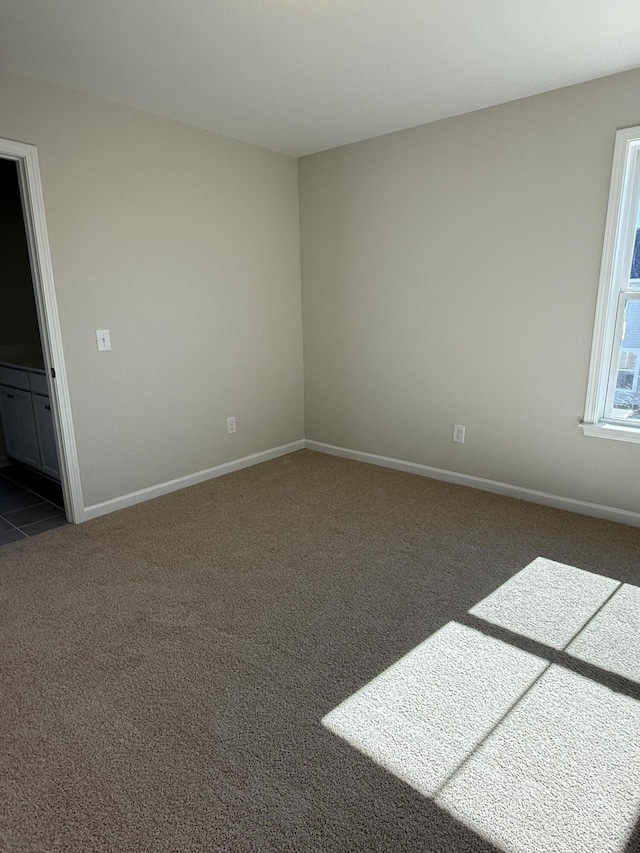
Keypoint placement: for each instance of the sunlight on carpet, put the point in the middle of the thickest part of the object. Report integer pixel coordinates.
(612, 639)
(546, 601)
(531, 755)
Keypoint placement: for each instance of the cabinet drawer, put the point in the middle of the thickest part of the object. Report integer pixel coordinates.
(15, 378)
(39, 384)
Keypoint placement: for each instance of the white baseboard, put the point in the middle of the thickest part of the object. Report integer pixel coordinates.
(610, 513)
(189, 480)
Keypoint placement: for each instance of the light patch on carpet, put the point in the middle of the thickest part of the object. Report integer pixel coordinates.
(423, 716)
(612, 639)
(560, 774)
(547, 602)
(533, 757)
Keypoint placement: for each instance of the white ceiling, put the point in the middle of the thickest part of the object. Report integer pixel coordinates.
(301, 76)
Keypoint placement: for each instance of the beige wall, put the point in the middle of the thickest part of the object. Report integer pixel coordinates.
(186, 246)
(450, 275)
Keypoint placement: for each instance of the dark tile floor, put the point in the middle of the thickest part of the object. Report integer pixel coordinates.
(29, 503)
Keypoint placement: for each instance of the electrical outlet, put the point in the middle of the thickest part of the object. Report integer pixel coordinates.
(458, 433)
(103, 337)
(231, 426)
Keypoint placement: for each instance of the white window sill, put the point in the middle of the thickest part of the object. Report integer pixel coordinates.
(617, 432)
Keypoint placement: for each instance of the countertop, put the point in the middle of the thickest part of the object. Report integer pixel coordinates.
(35, 364)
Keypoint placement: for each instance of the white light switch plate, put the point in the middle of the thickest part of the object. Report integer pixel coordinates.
(104, 339)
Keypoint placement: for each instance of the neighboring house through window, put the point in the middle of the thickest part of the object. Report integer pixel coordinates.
(626, 396)
(613, 394)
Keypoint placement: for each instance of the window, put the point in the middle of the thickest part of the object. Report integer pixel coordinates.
(613, 393)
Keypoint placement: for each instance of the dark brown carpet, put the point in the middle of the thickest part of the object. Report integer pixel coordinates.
(164, 670)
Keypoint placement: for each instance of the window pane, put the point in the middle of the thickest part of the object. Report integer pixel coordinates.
(626, 400)
(634, 276)
(635, 262)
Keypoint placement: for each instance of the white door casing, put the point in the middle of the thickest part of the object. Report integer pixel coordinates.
(26, 158)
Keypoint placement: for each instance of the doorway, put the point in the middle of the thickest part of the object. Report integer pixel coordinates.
(38, 428)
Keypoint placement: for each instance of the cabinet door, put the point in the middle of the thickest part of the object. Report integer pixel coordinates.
(19, 426)
(11, 423)
(46, 436)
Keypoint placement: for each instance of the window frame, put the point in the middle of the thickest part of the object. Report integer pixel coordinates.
(613, 290)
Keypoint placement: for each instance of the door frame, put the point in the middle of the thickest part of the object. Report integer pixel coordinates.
(26, 158)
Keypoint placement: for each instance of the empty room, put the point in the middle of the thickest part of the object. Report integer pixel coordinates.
(319, 404)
